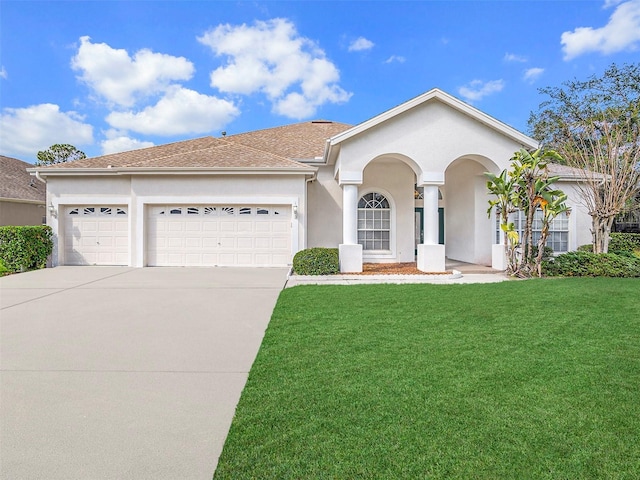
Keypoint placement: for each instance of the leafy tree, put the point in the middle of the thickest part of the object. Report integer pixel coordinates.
(526, 186)
(595, 126)
(59, 153)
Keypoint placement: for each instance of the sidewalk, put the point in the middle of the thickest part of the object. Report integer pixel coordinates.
(456, 277)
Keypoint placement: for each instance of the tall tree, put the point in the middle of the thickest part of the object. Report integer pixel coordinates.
(59, 153)
(595, 125)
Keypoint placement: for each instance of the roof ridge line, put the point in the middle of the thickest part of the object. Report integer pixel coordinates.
(173, 154)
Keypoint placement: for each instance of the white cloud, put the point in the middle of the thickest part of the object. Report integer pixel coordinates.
(512, 57)
(360, 44)
(3, 73)
(272, 58)
(395, 58)
(118, 141)
(611, 3)
(120, 78)
(181, 111)
(25, 131)
(532, 74)
(622, 32)
(477, 89)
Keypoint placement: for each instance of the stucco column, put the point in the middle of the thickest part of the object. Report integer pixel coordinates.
(431, 223)
(350, 214)
(431, 256)
(350, 251)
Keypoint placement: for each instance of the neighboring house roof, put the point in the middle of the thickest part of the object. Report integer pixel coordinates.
(273, 149)
(17, 185)
(437, 95)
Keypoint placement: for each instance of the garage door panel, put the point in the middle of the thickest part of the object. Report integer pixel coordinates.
(209, 235)
(245, 242)
(228, 226)
(227, 242)
(262, 242)
(210, 242)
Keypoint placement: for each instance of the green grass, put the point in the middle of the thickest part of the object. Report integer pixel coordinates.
(528, 379)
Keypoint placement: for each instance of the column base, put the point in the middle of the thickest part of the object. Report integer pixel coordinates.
(350, 258)
(498, 257)
(431, 258)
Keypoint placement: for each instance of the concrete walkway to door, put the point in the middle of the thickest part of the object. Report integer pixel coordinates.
(116, 372)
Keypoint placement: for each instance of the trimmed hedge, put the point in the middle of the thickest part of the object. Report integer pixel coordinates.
(316, 261)
(624, 242)
(25, 248)
(586, 264)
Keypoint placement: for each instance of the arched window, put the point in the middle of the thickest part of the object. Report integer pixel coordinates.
(374, 222)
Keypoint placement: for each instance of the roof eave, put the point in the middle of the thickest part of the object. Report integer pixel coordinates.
(173, 171)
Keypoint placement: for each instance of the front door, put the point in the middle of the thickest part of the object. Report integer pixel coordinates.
(419, 226)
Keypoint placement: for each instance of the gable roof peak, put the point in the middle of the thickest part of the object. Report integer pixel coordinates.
(447, 99)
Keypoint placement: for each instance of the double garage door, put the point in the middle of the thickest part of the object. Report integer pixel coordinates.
(182, 235)
(219, 235)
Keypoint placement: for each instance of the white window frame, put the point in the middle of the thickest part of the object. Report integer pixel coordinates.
(518, 219)
(382, 254)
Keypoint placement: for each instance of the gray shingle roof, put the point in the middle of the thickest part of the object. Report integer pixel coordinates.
(278, 147)
(17, 183)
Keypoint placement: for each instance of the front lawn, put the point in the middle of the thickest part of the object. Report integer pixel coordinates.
(523, 379)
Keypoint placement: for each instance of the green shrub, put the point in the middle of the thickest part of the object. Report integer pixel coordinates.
(3, 270)
(547, 254)
(624, 242)
(586, 264)
(586, 248)
(25, 248)
(316, 261)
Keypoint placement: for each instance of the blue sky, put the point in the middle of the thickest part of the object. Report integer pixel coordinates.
(109, 76)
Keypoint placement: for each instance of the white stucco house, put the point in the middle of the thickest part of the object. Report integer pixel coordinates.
(407, 184)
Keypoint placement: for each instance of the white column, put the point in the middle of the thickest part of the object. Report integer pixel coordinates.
(350, 214)
(431, 256)
(431, 221)
(498, 250)
(350, 251)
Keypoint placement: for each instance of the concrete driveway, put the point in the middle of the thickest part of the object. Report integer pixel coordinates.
(123, 373)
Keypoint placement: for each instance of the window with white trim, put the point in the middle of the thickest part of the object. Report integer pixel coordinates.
(558, 238)
(374, 222)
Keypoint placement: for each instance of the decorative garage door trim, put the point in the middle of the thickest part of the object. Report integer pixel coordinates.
(96, 234)
(219, 235)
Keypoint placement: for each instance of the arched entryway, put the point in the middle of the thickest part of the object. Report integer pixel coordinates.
(470, 232)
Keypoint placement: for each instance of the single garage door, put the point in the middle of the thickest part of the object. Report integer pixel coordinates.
(96, 235)
(219, 235)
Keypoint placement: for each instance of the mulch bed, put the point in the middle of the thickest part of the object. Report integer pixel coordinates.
(394, 269)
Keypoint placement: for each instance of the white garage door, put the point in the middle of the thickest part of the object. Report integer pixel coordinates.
(219, 235)
(96, 235)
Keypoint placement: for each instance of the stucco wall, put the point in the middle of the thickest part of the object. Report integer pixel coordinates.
(324, 215)
(433, 135)
(18, 213)
(468, 230)
(579, 218)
